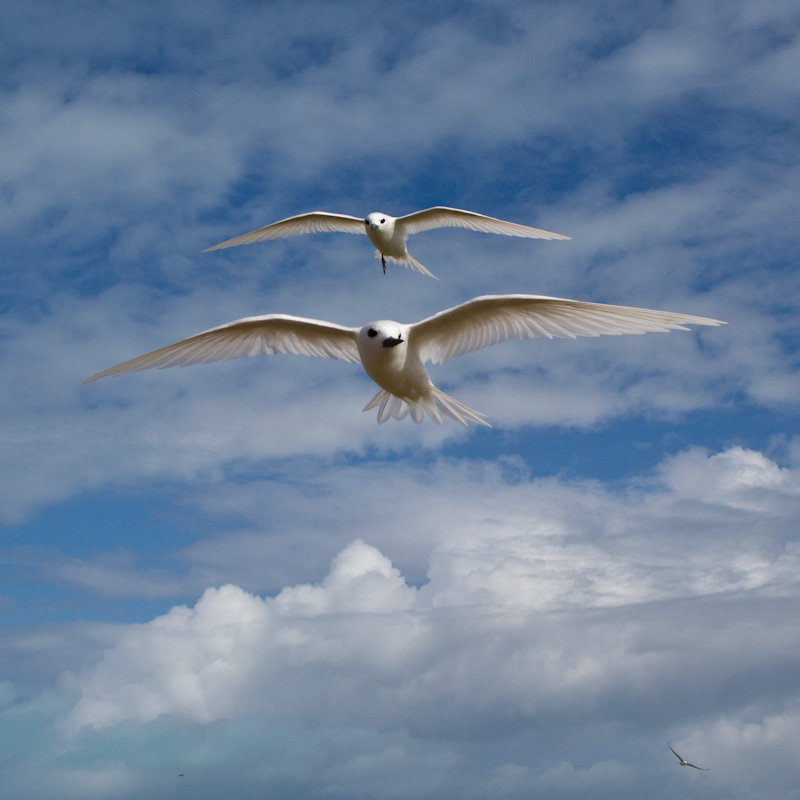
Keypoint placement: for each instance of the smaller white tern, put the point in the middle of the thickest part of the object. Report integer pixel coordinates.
(394, 354)
(685, 763)
(388, 234)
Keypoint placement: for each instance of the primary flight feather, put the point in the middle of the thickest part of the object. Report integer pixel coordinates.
(388, 234)
(393, 354)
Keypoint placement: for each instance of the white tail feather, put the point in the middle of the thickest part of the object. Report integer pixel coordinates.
(409, 262)
(437, 404)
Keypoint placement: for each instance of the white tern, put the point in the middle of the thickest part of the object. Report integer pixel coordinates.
(684, 762)
(388, 234)
(394, 354)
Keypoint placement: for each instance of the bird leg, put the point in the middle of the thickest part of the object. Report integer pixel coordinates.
(383, 262)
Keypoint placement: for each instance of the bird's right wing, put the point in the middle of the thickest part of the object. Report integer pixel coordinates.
(443, 217)
(312, 222)
(267, 335)
(495, 318)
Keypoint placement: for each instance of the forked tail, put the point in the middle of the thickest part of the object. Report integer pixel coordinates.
(409, 262)
(389, 405)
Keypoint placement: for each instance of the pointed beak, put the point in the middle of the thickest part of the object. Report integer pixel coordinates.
(374, 226)
(391, 342)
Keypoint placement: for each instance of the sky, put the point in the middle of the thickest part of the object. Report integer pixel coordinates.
(227, 580)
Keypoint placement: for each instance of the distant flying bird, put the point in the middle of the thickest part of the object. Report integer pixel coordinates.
(394, 354)
(685, 763)
(388, 234)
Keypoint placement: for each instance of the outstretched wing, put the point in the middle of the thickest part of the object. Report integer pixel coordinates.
(312, 222)
(496, 318)
(267, 335)
(443, 217)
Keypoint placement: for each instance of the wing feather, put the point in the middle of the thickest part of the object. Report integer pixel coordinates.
(266, 335)
(443, 217)
(312, 222)
(496, 318)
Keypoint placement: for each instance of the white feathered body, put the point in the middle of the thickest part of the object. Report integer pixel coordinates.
(390, 357)
(398, 369)
(389, 235)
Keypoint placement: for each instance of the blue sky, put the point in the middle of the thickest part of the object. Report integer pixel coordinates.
(229, 572)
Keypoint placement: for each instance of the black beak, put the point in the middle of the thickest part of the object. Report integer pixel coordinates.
(391, 342)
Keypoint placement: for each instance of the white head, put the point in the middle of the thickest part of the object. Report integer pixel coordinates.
(379, 336)
(377, 221)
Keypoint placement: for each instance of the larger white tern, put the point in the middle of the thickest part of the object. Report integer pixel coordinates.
(394, 354)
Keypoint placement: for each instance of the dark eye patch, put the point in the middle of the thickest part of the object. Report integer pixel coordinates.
(372, 332)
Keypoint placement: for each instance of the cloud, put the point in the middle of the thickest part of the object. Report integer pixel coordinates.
(657, 611)
(522, 578)
(737, 478)
(399, 611)
(217, 643)
(136, 127)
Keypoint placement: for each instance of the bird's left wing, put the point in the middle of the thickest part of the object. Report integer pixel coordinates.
(267, 335)
(311, 222)
(443, 217)
(496, 318)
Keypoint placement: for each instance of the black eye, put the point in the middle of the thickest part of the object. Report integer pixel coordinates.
(383, 220)
(366, 222)
(372, 332)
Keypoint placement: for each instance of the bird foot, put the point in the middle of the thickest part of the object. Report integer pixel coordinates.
(383, 263)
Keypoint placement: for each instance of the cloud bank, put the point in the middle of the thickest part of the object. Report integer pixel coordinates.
(660, 611)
